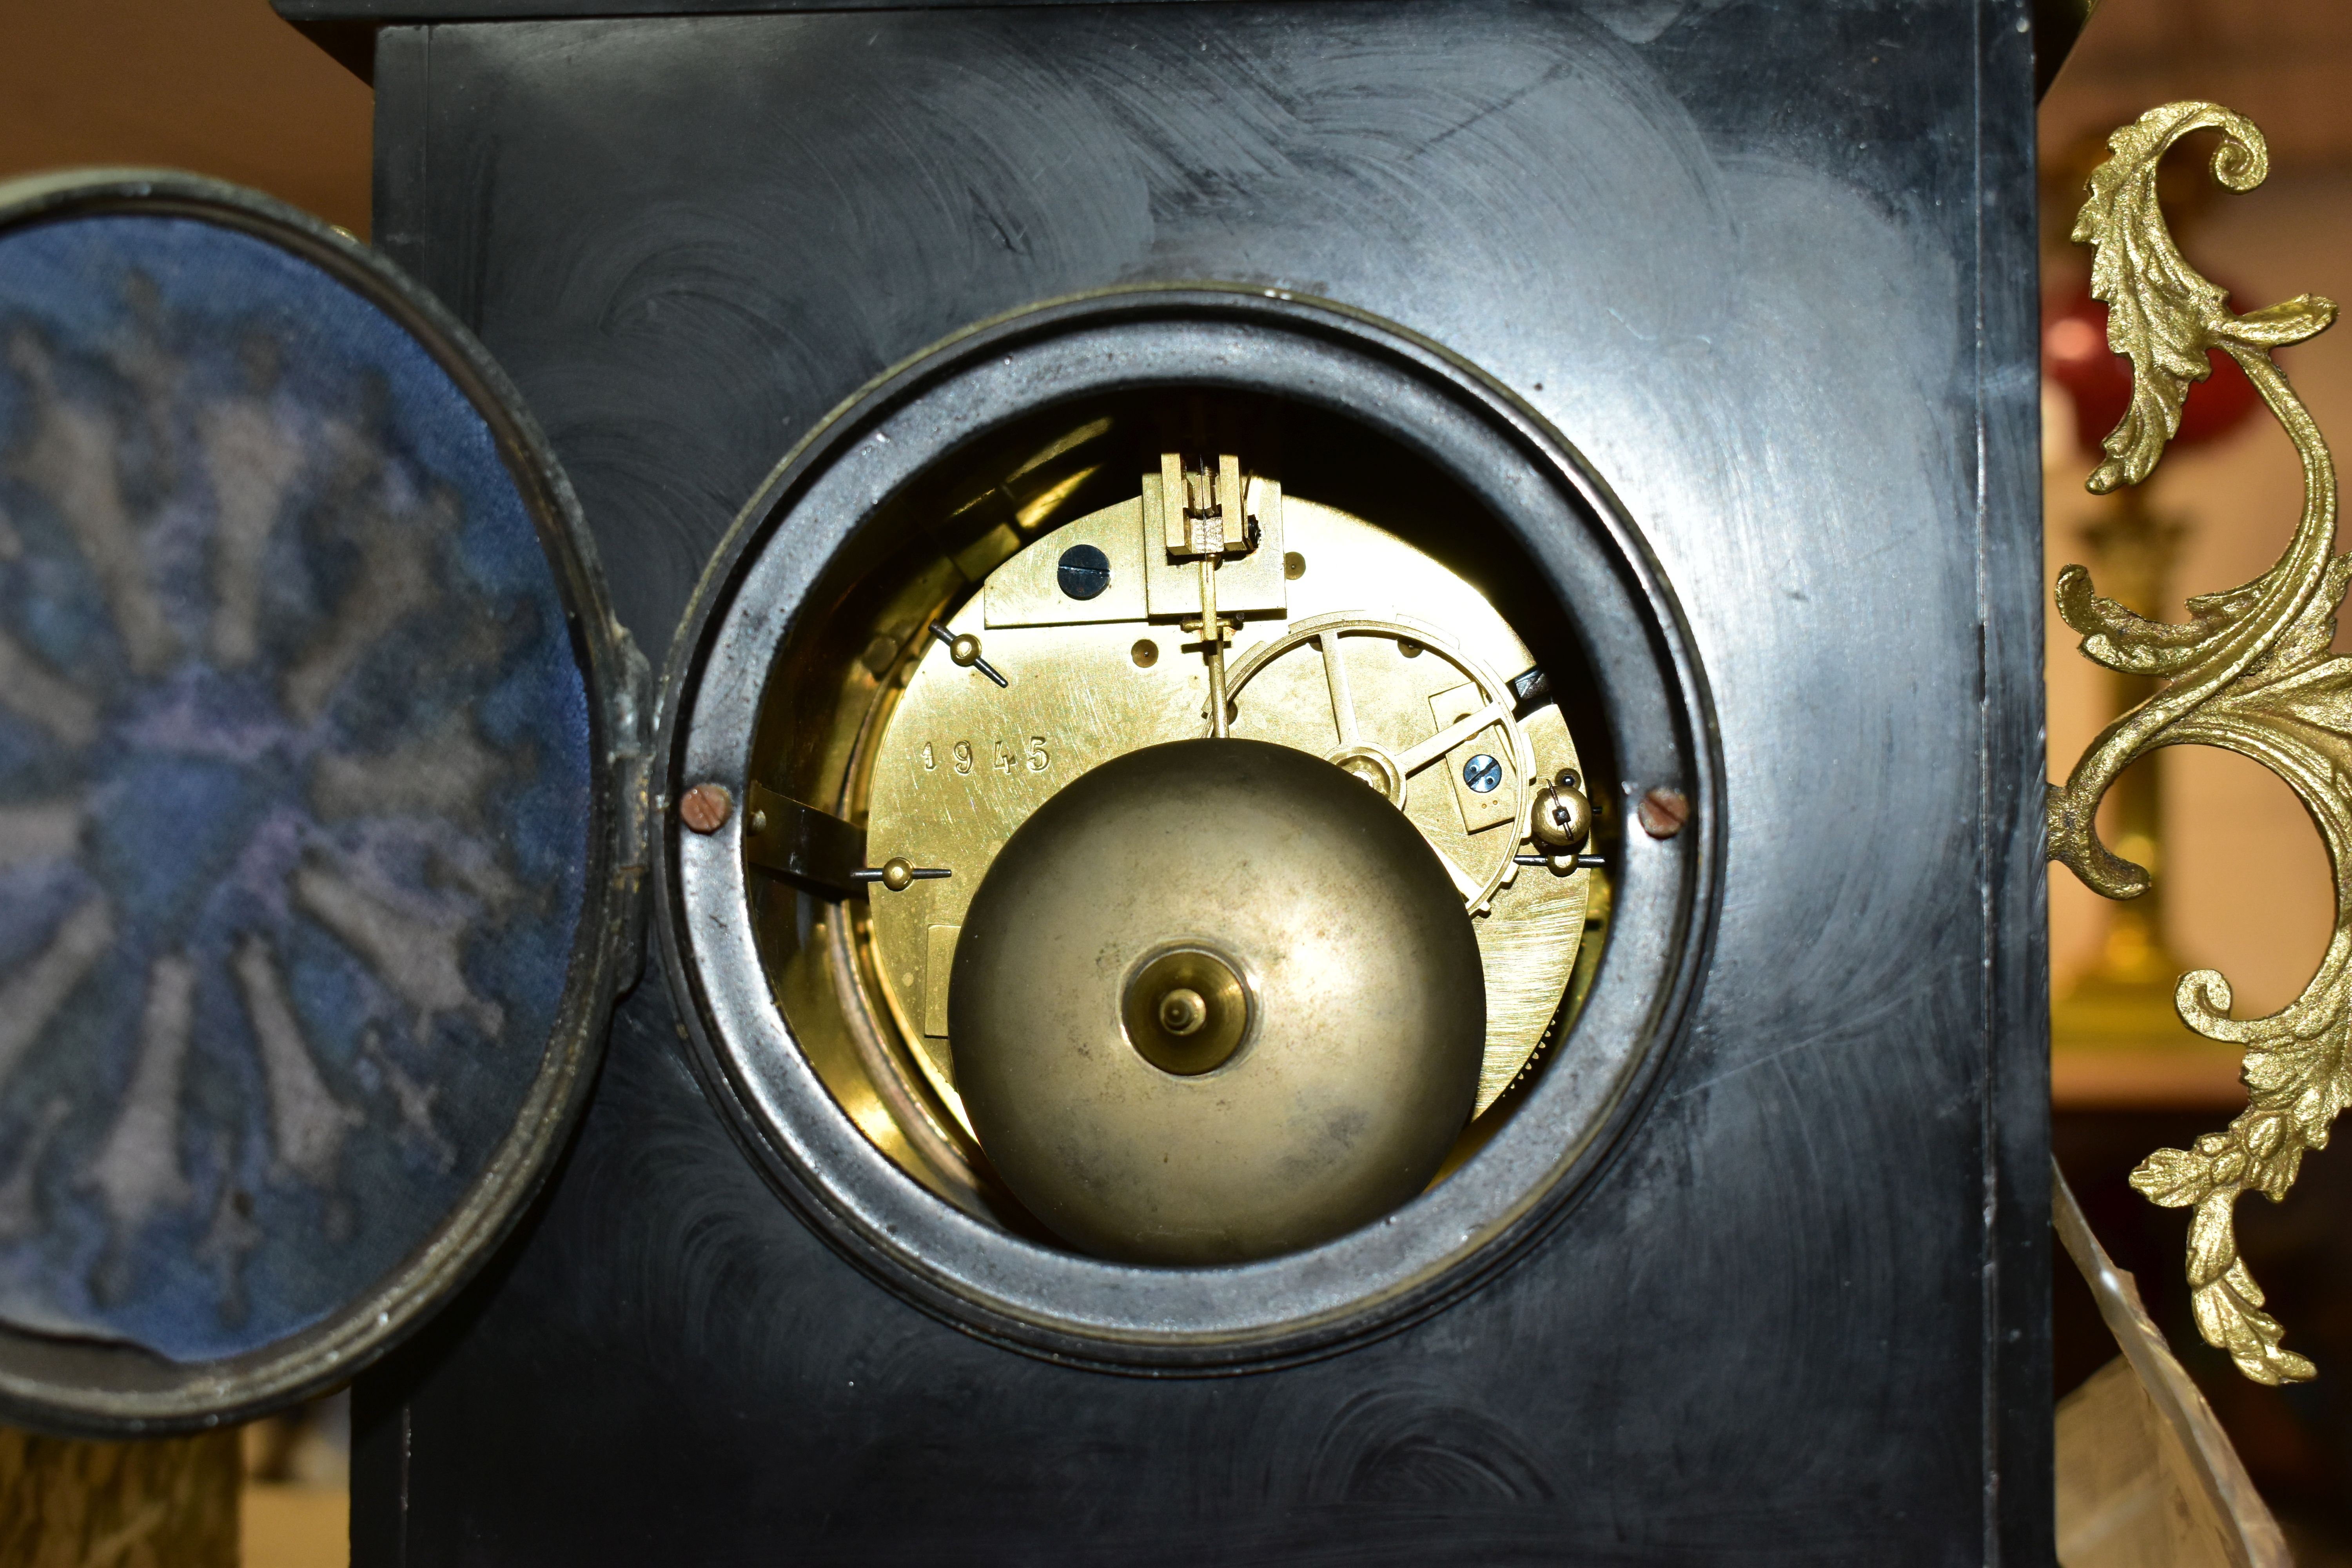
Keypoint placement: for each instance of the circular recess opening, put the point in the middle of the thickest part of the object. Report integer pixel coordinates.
(1077, 538)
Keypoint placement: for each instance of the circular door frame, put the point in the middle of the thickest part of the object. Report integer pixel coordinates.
(101, 1389)
(1061, 1305)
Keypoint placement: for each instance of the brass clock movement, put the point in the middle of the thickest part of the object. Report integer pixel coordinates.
(1127, 967)
(1189, 814)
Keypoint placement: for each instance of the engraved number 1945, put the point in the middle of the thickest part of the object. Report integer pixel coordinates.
(1007, 757)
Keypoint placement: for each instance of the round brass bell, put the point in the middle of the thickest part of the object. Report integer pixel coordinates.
(1216, 1001)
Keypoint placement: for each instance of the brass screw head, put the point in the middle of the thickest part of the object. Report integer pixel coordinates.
(706, 807)
(897, 875)
(1186, 1012)
(1181, 1012)
(1663, 812)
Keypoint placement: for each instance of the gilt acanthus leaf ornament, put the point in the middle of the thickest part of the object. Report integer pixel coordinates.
(2248, 672)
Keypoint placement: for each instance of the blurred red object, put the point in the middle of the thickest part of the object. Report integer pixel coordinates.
(2098, 381)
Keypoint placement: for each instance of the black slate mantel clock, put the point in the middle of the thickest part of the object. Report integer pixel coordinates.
(1006, 1097)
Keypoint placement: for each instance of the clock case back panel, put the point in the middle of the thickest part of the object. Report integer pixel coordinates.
(1773, 273)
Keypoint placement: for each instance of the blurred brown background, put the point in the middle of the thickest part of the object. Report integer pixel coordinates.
(219, 86)
(224, 87)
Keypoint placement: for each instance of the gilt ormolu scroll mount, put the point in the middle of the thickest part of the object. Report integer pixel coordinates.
(2249, 672)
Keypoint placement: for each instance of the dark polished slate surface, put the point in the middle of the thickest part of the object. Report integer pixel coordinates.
(1770, 268)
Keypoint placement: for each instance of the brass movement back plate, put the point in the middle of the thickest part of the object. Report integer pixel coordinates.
(960, 763)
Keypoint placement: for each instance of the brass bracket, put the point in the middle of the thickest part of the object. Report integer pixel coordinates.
(2248, 672)
(812, 848)
(1204, 518)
